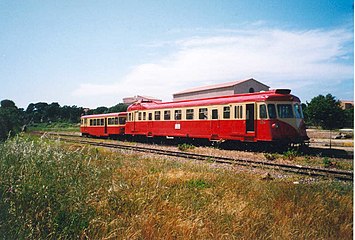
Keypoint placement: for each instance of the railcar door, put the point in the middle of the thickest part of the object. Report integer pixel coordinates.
(134, 120)
(250, 118)
(85, 125)
(215, 128)
(105, 119)
(150, 124)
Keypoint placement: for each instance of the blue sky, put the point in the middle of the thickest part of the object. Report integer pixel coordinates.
(94, 53)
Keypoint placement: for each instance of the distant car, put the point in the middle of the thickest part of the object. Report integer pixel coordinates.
(103, 125)
(345, 133)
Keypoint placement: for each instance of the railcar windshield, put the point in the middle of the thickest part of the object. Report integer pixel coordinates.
(298, 110)
(272, 111)
(285, 111)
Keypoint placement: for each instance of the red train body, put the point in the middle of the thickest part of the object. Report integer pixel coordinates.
(272, 116)
(103, 125)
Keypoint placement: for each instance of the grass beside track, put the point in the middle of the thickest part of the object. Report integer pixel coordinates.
(55, 127)
(53, 190)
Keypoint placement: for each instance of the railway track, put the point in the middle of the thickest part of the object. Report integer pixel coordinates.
(297, 169)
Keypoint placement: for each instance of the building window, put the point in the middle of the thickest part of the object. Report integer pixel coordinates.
(202, 113)
(226, 112)
(189, 114)
(251, 90)
(167, 115)
(177, 115)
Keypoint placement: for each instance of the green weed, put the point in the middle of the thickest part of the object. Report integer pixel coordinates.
(270, 156)
(185, 147)
(197, 184)
(290, 154)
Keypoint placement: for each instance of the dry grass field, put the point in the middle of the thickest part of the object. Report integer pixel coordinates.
(52, 190)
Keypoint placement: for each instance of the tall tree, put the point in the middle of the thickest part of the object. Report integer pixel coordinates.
(53, 111)
(10, 120)
(325, 111)
(100, 110)
(121, 107)
(6, 103)
(349, 118)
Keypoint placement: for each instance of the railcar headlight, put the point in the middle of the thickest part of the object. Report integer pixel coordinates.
(275, 125)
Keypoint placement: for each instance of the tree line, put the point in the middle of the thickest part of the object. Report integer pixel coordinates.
(321, 111)
(13, 119)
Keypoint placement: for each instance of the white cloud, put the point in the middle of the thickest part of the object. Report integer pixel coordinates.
(279, 58)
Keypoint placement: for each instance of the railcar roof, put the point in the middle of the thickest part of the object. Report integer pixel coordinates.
(119, 114)
(272, 95)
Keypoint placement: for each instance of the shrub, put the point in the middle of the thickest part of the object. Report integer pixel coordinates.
(270, 156)
(290, 154)
(185, 147)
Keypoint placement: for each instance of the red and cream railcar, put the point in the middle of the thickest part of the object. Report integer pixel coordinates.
(272, 116)
(103, 125)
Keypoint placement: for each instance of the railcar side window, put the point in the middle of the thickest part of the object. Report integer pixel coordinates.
(202, 113)
(214, 113)
(150, 116)
(226, 112)
(189, 114)
(157, 115)
(91, 122)
(144, 116)
(238, 112)
(285, 110)
(298, 111)
(102, 122)
(167, 115)
(129, 117)
(109, 121)
(262, 111)
(94, 122)
(272, 111)
(116, 120)
(122, 120)
(177, 115)
(139, 116)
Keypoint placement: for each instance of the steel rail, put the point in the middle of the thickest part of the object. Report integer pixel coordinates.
(297, 169)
